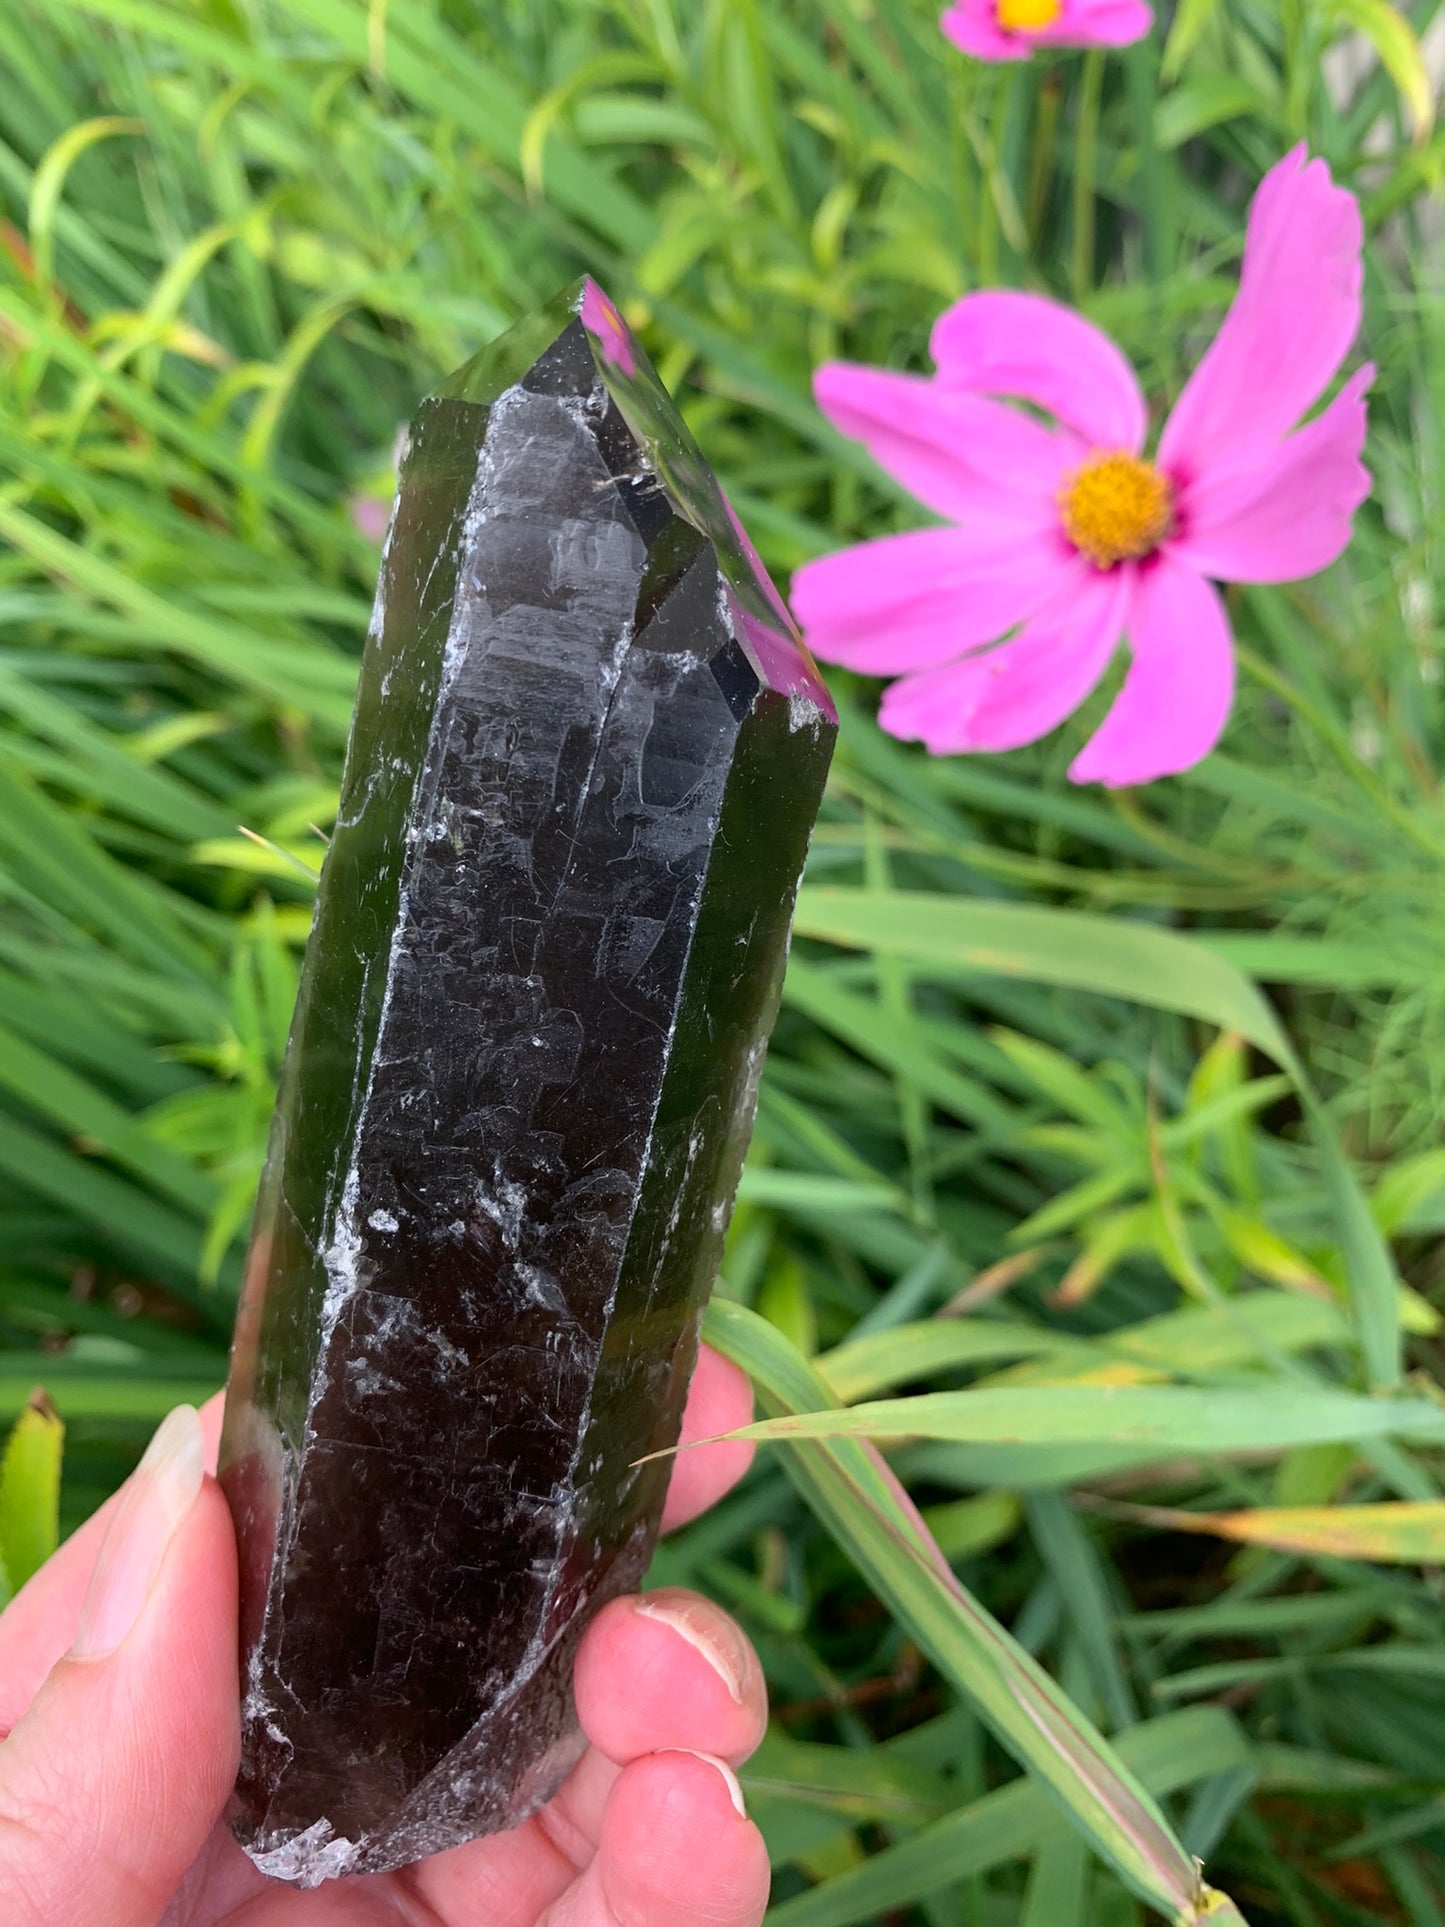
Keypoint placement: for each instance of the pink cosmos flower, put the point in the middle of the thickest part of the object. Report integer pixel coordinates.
(1011, 29)
(1063, 536)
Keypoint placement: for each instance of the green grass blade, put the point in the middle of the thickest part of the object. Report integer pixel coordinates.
(1148, 966)
(1163, 1419)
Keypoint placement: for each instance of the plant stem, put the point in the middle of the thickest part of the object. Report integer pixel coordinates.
(1046, 128)
(1086, 155)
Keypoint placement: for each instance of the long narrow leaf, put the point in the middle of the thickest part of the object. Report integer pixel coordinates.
(1165, 1418)
(852, 1491)
(1008, 1823)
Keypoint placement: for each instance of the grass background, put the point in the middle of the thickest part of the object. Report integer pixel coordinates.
(1025, 1070)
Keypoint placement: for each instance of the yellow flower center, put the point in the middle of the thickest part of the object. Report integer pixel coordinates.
(1028, 16)
(1116, 508)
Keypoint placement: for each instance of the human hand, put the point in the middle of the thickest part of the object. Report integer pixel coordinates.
(118, 1707)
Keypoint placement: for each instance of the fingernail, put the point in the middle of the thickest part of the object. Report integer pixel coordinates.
(707, 1631)
(729, 1778)
(155, 1498)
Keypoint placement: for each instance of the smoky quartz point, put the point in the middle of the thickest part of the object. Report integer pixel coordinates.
(586, 756)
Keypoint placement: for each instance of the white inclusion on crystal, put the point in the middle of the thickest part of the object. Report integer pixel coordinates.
(504, 1205)
(694, 1145)
(447, 1352)
(377, 624)
(366, 1380)
(382, 1221)
(542, 1288)
(394, 1317)
(756, 1053)
(257, 1703)
(341, 1260)
(307, 1858)
(747, 1103)
(727, 615)
(378, 607)
(803, 712)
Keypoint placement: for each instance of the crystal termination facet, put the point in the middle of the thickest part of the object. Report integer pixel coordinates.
(586, 756)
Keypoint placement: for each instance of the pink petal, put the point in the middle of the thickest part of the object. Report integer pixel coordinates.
(1003, 343)
(600, 315)
(1296, 313)
(973, 26)
(764, 581)
(1290, 515)
(1176, 695)
(1098, 23)
(905, 601)
(961, 456)
(1021, 690)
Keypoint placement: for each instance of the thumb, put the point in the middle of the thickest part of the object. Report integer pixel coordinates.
(111, 1781)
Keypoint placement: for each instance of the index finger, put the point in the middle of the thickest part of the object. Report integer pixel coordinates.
(37, 1627)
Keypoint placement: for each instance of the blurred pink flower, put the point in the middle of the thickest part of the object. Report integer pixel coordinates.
(370, 514)
(1062, 537)
(600, 317)
(1011, 29)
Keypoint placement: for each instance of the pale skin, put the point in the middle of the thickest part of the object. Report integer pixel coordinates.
(115, 1767)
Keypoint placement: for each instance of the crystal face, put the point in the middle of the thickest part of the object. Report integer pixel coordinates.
(586, 756)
